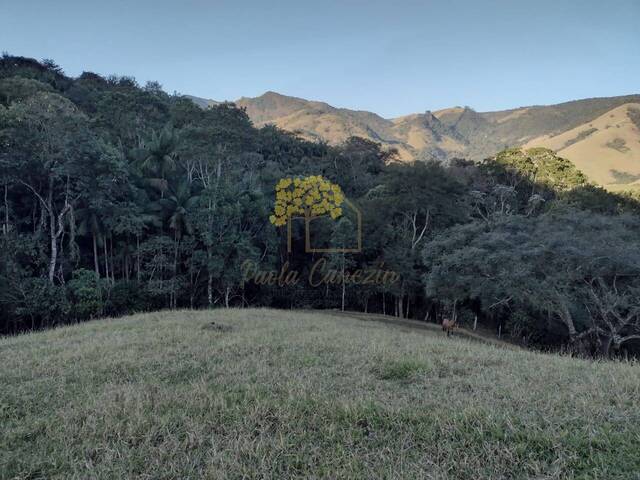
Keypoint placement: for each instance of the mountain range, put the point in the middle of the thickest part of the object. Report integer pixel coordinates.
(600, 135)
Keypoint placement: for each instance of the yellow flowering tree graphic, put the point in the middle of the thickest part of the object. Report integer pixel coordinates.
(306, 197)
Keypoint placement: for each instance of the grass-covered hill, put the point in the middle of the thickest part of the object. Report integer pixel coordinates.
(281, 394)
(606, 149)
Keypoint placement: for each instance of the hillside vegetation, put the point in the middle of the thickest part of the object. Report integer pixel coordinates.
(285, 394)
(119, 198)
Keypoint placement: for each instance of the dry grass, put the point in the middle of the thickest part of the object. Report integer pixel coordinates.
(293, 394)
(601, 147)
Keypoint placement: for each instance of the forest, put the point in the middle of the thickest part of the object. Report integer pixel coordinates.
(119, 198)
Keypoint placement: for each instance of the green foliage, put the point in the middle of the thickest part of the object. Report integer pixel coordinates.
(126, 296)
(542, 166)
(44, 305)
(552, 273)
(85, 294)
(13, 89)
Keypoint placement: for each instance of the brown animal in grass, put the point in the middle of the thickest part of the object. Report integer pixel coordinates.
(449, 325)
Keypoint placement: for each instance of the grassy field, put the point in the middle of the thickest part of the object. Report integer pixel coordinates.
(285, 394)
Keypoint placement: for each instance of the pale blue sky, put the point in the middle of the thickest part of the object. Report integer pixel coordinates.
(390, 57)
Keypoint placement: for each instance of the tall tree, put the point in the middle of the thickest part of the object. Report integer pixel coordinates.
(52, 152)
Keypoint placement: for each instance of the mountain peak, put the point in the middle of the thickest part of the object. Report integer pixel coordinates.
(271, 93)
(270, 106)
(266, 95)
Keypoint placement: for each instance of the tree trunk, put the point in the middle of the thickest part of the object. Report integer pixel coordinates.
(106, 259)
(384, 303)
(41, 226)
(54, 239)
(567, 319)
(344, 284)
(54, 251)
(605, 346)
(137, 257)
(95, 255)
(210, 290)
(191, 282)
(127, 261)
(6, 209)
(175, 270)
(113, 269)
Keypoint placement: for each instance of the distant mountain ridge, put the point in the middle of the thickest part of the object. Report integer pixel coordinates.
(202, 102)
(452, 132)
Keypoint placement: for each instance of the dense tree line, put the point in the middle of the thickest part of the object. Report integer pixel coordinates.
(117, 198)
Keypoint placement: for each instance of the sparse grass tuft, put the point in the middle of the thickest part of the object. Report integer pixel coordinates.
(398, 369)
(619, 144)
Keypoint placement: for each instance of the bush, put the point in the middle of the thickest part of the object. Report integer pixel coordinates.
(86, 294)
(126, 296)
(45, 306)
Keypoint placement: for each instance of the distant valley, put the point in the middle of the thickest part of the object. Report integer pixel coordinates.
(600, 135)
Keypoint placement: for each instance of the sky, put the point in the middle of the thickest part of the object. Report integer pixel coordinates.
(389, 57)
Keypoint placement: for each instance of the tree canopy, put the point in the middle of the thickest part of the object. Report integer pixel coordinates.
(116, 197)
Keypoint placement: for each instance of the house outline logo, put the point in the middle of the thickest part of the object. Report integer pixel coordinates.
(313, 197)
(307, 233)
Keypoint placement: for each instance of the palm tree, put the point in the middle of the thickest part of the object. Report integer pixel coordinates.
(136, 221)
(158, 155)
(91, 224)
(176, 208)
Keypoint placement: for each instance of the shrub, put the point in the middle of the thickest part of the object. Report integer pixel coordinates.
(126, 296)
(86, 294)
(45, 306)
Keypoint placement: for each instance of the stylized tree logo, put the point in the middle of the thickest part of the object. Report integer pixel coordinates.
(309, 198)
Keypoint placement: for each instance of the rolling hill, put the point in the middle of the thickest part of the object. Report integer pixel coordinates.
(606, 149)
(463, 132)
(257, 393)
